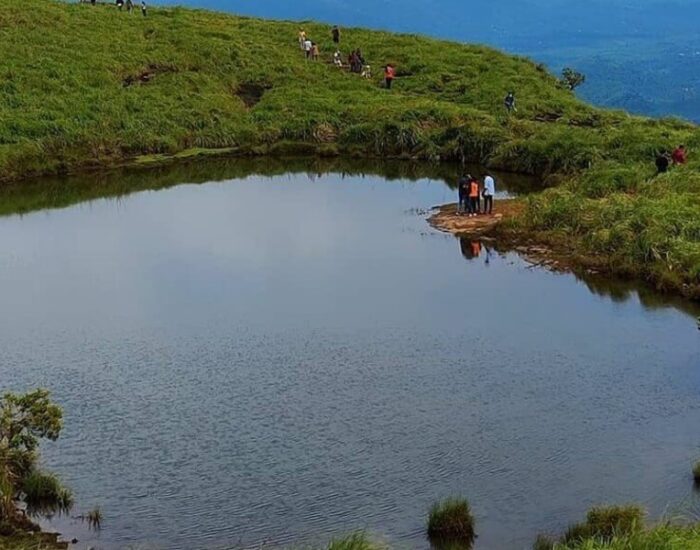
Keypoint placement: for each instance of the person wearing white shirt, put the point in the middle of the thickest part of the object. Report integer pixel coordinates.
(489, 192)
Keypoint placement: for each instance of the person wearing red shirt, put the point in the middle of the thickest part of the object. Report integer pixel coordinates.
(389, 75)
(679, 156)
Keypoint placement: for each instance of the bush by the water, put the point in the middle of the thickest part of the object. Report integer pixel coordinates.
(451, 524)
(354, 541)
(43, 492)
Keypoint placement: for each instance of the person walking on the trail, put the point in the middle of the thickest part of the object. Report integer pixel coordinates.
(315, 54)
(389, 76)
(308, 46)
(302, 39)
(335, 33)
(489, 192)
(120, 4)
(473, 197)
(338, 59)
(509, 103)
(129, 6)
(679, 155)
(144, 10)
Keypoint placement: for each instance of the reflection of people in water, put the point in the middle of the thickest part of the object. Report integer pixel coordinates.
(471, 249)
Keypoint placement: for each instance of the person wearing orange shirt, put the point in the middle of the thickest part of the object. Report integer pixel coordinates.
(473, 197)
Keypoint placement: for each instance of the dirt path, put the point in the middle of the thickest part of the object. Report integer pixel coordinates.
(447, 218)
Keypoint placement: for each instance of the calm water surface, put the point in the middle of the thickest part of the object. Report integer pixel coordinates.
(281, 359)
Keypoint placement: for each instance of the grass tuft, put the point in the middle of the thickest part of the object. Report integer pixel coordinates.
(451, 524)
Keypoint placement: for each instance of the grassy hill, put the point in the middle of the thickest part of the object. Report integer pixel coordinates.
(84, 86)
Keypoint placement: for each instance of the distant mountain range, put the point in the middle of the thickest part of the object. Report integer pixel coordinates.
(641, 55)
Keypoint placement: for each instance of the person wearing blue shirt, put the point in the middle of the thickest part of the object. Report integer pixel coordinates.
(489, 192)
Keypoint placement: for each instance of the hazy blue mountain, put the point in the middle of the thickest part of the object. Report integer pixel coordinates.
(642, 55)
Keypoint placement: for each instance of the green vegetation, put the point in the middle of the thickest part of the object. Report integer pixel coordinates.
(451, 524)
(621, 528)
(696, 472)
(87, 86)
(354, 541)
(24, 421)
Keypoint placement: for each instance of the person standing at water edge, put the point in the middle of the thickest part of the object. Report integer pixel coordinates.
(463, 193)
(473, 197)
(335, 33)
(489, 192)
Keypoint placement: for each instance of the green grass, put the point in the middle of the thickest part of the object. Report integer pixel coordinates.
(44, 494)
(664, 537)
(71, 98)
(451, 524)
(354, 541)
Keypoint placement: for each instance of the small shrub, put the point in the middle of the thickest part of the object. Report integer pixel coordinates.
(544, 542)
(696, 468)
(604, 523)
(44, 494)
(355, 541)
(450, 523)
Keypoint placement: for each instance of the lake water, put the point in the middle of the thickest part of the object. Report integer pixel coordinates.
(279, 359)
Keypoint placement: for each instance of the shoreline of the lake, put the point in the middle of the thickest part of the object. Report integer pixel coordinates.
(553, 251)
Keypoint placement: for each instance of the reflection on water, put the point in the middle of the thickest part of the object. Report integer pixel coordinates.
(60, 192)
(616, 289)
(276, 359)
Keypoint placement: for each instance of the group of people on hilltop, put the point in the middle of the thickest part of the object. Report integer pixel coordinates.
(356, 62)
(471, 191)
(677, 158)
(129, 4)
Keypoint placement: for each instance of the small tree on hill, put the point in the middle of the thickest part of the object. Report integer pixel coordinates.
(24, 421)
(571, 79)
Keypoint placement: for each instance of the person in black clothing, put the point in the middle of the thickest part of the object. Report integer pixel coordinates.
(129, 5)
(120, 4)
(662, 162)
(463, 191)
(336, 35)
(509, 102)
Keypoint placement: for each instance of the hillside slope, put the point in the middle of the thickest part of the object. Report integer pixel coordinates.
(84, 85)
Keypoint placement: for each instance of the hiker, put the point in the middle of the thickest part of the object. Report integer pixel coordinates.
(93, 2)
(338, 59)
(389, 75)
(509, 103)
(489, 192)
(473, 197)
(662, 162)
(335, 33)
(314, 51)
(366, 72)
(302, 39)
(463, 193)
(355, 63)
(129, 6)
(308, 46)
(679, 156)
(143, 8)
(120, 4)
